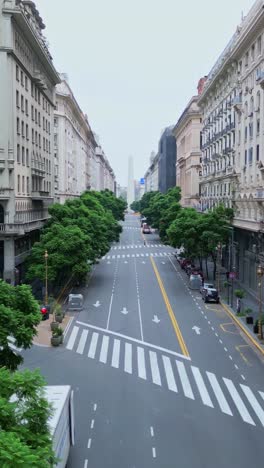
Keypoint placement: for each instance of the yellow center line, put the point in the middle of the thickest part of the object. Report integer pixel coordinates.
(170, 311)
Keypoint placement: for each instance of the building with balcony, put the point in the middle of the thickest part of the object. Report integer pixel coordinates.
(187, 133)
(232, 106)
(27, 96)
(167, 161)
(74, 145)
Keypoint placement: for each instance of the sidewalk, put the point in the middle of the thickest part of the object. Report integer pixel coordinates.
(44, 332)
(248, 301)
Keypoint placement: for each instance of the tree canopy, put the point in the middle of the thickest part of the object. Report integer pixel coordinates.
(19, 315)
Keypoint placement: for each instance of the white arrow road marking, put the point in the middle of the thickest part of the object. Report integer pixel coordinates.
(197, 330)
(163, 263)
(156, 319)
(124, 311)
(97, 304)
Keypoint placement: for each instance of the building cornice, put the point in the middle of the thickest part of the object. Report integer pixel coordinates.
(187, 115)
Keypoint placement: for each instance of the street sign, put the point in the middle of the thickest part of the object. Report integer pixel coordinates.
(232, 275)
(142, 181)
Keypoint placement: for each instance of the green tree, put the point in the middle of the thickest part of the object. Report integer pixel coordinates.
(25, 439)
(135, 205)
(159, 203)
(19, 315)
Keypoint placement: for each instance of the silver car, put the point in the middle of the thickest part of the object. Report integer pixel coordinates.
(206, 286)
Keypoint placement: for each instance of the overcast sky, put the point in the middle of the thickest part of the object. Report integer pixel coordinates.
(134, 65)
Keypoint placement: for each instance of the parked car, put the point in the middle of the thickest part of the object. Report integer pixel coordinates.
(146, 229)
(206, 286)
(143, 221)
(210, 294)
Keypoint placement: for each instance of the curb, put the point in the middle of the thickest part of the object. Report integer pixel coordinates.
(234, 318)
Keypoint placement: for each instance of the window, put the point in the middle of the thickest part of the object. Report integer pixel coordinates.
(250, 129)
(23, 129)
(257, 153)
(246, 60)
(258, 126)
(32, 136)
(36, 138)
(44, 128)
(36, 116)
(36, 94)
(259, 44)
(245, 157)
(39, 141)
(39, 121)
(27, 132)
(18, 126)
(49, 167)
(258, 101)
(28, 185)
(26, 83)
(18, 153)
(39, 96)
(18, 183)
(23, 184)
(250, 155)
(17, 99)
(55, 139)
(27, 157)
(26, 106)
(245, 133)
(17, 73)
(22, 78)
(32, 113)
(56, 125)
(240, 67)
(44, 145)
(22, 103)
(32, 89)
(43, 103)
(253, 53)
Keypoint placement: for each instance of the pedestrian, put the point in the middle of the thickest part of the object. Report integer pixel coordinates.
(238, 306)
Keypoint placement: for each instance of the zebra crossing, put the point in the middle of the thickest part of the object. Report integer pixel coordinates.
(137, 255)
(163, 368)
(136, 246)
(132, 227)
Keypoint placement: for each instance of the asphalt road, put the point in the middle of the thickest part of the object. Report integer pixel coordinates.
(160, 378)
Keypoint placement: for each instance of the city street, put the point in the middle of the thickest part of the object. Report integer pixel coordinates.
(160, 378)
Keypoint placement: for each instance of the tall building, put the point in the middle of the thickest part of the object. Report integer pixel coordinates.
(130, 182)
(27, 97)
(232, 106)
(167, 161)
(187, 132)
(74, 145)
(152, 174)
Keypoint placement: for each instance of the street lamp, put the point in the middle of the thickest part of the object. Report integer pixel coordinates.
(46, 256)
(260, 273)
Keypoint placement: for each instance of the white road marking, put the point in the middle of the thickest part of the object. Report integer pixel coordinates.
(109, 311)
(93, 345)
(230, 357)
(92, 424)
(244, 378)
(154, 368)
(82, 342)
(104, 349)
(135, 340)
(187, 389)
(169, 374)
(72, 338)
(219, 394)
(95, 407)
(220, 341)
(128, 358)
(85, 464)
(141, 363)
(116, 352)
(201, 387)
(238, 402)
(254, 402)
(225, 350)
(151, 431)
(236, 366)
(262, 395)
(153, 452)
(89, 443)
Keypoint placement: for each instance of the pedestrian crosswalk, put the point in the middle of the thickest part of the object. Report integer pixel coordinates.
(132, 227)
(137, 255)
(167, 369)
(136, 246)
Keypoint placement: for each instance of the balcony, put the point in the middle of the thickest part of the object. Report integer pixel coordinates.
(227, 150)
(2, 164)
(37, 168)
(40, 195)
(5, 193)
(259, 194)
(30, 216)
(260, 78)
(215, 156)
(237, 103)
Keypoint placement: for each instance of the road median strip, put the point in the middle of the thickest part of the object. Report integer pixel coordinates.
(170, 311)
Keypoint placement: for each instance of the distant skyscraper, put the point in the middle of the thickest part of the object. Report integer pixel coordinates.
(130, 182)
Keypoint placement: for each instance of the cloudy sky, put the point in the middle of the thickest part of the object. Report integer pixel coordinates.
(133, 65)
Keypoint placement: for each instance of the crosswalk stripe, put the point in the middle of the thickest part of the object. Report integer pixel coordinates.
(137, 255)
(104, 349)
(142, 255)
(133, 255)
(116, 352)
(238, 402)
(93, 345)
(201, 387)
(108, 257)
(141, 363)
(225, 408)
(128, 256)
(147, 254)
(82, 342)
(169, 374)
(254, 402)
(154, 368)
(72, 338)
(187, 389)
(128, 358)
(123, 256)
(262, 395)
(113, 256)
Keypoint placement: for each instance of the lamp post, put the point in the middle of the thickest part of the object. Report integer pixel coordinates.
(46, 256)
(260, 273)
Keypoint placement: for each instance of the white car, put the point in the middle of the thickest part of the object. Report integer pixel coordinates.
(206, 286)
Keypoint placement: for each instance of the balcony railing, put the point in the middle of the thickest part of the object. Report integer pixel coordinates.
(30, 216)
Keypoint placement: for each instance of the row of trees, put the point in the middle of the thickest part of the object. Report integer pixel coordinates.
(76, 235)
(198, 233)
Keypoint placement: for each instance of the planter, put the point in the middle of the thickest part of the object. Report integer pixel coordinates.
(55, 340)
(54, 325)
(61, 339)
(59, 318)
(249, 319)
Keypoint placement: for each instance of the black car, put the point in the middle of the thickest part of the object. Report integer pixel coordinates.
(210, 294)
